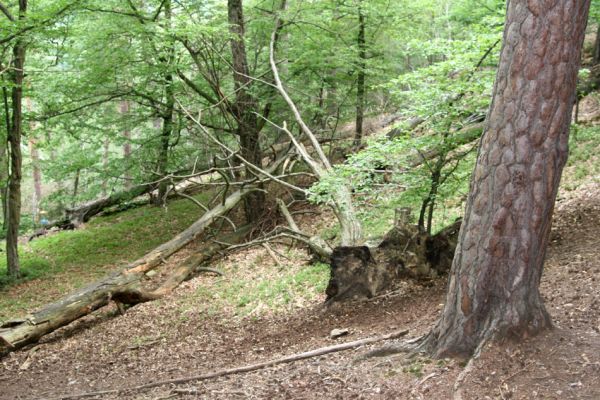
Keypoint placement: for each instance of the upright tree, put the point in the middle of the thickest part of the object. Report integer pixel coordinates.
(360, 81)
(17, 74)
(494, 281)
(245, 107)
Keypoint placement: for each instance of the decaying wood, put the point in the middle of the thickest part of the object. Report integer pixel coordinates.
(247, 368)
(122, 286)
(343, 207)
(318, 246)
(359, 272)
(80, 214)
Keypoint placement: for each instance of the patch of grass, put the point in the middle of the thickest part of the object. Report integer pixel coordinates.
(74, 258)
(583, 164)
(280, 289)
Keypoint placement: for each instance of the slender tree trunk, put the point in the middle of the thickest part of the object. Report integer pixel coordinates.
(167, 116)
(35, 162)
(360, 83)
(124, 110)
(37, 179)
(4, 161)
(105, 166)
(596, 53)
(75, 188)
(494, 281)
(245, 107)
(14, 139)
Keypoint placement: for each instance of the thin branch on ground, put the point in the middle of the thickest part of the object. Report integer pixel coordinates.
(247, 368)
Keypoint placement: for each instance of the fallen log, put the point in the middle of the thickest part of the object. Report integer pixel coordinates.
(122, 286)
(80, 214)
(247, 368)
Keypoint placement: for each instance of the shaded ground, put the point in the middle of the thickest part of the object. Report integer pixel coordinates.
(168, 339)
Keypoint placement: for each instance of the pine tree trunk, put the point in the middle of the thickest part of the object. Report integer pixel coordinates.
(494, 283)
(14, 139)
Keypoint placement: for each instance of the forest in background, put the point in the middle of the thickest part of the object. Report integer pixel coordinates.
(111, 90)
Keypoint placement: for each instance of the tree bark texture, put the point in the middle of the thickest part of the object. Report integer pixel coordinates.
(14, 139)
(494, 282)
(245, 107)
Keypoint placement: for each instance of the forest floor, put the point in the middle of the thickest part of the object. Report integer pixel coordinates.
(189, 334)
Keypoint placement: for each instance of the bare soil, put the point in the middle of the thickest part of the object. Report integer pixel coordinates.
(152, 342)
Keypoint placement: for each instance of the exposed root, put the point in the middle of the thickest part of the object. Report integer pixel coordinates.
(410, 346)
(457, 393)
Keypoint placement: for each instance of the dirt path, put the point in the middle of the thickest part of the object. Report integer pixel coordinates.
(155, 342)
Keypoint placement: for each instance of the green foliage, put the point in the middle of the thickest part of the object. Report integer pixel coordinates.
(583, 164)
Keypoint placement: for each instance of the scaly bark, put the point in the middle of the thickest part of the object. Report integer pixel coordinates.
(494, 282)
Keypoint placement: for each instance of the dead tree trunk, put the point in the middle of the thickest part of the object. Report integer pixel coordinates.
(82, 213)
(343, 207)
(123, 286)
(494, 283)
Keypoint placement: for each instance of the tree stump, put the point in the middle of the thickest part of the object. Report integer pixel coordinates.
(361, 272)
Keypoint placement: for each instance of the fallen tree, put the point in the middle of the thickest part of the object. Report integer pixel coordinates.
(82, 213)
(123, 286)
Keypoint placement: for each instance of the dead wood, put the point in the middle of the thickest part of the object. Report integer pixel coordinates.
(78, 215)
(247, 368)
(318, 246)
(123, 286)
(361, 272)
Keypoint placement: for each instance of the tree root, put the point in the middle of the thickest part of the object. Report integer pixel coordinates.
(410, 346)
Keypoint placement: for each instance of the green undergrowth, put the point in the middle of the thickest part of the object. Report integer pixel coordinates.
(583, 165)
(65, 260)
(248, 294)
